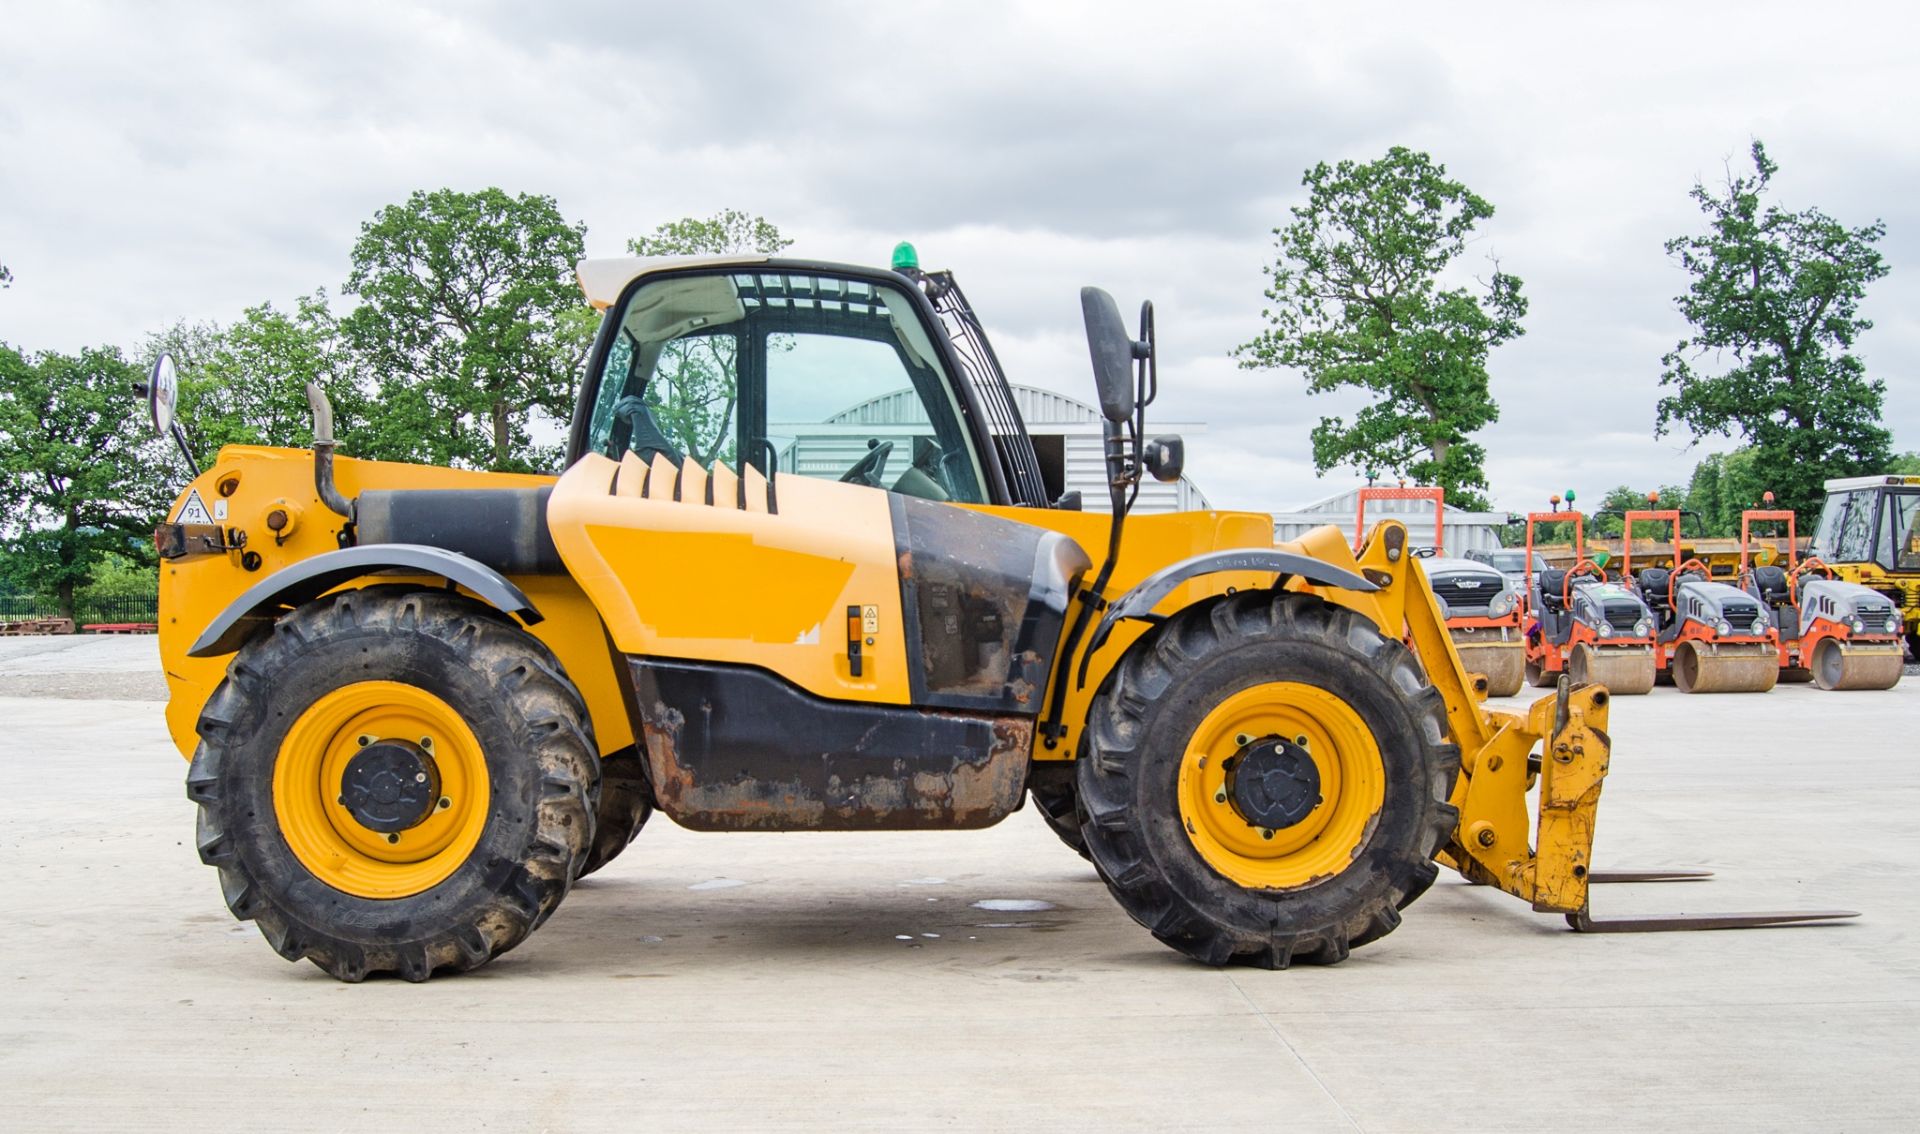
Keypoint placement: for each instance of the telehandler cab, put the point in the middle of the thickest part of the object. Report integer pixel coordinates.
(804, 571)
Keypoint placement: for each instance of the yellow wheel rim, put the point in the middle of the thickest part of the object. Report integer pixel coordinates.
(326, 837)
(1352, 786)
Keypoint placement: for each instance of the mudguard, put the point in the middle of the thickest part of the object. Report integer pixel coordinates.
(1140, 601)
(308, 579)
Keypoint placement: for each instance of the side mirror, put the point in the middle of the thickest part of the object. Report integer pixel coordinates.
(1112, 350)
(1165, 457)
(163, 393)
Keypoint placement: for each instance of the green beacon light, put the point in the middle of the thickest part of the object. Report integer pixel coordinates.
(905, 259)
(1569, 495)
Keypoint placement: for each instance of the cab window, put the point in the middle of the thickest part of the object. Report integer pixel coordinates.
(791, 372)
(1845, 531)
(1898, 548)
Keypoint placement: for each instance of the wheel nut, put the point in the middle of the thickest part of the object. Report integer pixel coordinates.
(1242, 739)
(426, 742)
(1301, 741)
(445, 803)
(1220, 796)
(394, 838)
(365, 740)
(1265, 833)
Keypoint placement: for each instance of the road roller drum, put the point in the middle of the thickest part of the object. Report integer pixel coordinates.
(1503, 664)
(1710, 667)
(1856, 665)
(1625, 671)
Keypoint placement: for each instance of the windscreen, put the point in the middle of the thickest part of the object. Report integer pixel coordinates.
(793, 372)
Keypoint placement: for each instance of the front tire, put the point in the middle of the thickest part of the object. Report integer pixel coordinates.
(313, 748)
(1300, 714)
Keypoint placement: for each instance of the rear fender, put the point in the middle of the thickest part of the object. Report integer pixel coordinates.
(302, 582)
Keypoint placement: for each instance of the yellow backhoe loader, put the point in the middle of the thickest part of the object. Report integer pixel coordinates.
(805, 571)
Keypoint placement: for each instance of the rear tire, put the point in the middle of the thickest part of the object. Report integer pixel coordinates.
(626, 803)
(1375, 730)
(381, 666)
(1057, 799)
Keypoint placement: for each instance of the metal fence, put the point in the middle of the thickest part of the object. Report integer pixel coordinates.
(130, 608)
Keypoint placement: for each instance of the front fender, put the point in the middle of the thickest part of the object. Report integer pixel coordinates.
(1147, 594)
(308, 579)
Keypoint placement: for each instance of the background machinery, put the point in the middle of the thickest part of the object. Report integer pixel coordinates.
(1482, 607)
(1838, 634)
(1581, 625)
(1712, 636)
(420, 702)
(1869, 533)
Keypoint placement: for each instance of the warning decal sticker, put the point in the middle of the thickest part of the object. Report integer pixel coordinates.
(194, 511)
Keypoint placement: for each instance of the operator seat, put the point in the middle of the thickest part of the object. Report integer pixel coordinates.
(1771, 582)
(1653, 586)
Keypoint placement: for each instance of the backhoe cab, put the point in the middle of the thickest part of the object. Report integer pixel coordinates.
(803, 572)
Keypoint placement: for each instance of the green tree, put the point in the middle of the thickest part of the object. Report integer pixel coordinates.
(1607, 522)
(245, 384)
(692, 392)
(1723, 486)
(1357, 301)
(1906, 463)
(471, 325)
(1774, 298)
(80, 479)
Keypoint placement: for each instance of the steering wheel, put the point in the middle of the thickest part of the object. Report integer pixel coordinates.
(1691, 566)
(868, 468)
(1807, 567)
(1584, 567)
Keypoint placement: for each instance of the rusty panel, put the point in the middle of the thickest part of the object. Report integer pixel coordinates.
(733, 748)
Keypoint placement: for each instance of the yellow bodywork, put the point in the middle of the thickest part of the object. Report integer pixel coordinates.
(694, 563)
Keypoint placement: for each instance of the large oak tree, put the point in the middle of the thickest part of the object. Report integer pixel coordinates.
(1360, 300)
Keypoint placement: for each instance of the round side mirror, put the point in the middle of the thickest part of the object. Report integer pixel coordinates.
(163, 393)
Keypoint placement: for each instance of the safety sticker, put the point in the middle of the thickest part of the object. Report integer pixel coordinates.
(194, 511)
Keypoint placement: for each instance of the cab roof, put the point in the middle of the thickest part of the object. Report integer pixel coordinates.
(1893, 479)
(602, 281)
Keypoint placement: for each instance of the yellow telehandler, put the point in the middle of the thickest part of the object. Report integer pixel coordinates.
(805, 570)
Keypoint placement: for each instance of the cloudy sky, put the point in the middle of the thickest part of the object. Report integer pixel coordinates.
(161, 162)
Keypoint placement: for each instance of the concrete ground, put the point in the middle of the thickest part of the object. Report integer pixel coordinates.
(818, 981)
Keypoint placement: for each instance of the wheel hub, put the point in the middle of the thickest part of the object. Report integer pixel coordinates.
(390, 786)
(1273, 783)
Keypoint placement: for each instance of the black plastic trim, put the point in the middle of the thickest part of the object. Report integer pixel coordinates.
(267, 600)
(1140, 601)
